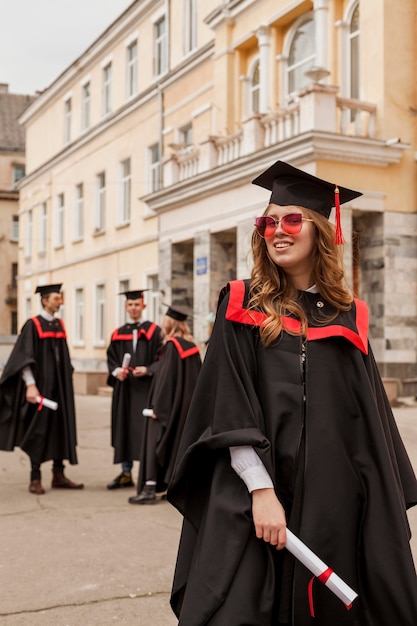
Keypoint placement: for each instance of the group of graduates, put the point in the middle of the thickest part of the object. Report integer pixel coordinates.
(152, 369)
(288, 429)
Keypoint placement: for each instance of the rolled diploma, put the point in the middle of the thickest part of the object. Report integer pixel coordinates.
(317, 567)
(126, 360)
(50, 404)
(147, 412)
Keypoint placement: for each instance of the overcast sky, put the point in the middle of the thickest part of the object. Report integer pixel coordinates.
(39, 39)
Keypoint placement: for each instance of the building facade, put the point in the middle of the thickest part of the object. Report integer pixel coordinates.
(12, 169)
(141, 153)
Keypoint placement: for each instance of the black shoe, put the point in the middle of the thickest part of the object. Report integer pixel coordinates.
(146, 496)
(123, 480)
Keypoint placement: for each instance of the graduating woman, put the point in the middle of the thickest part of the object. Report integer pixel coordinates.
(170, 397)
(290, 426)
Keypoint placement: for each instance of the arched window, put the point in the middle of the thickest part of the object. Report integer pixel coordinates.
(255, 85)
(354, 53)
(302, 56)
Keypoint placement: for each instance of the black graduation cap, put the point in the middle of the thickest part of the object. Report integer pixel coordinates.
(45, 289)
(134, 294)
(291, 186)
(180, 316)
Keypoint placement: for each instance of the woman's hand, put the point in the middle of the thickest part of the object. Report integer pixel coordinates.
(32, 392)
(269, 517)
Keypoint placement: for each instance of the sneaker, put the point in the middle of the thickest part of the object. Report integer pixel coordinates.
(123, 480)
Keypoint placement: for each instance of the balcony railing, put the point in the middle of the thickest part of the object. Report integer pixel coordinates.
(318, 108)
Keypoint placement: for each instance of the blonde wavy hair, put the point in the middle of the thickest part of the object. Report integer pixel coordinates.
(271, 290)
(175, 328)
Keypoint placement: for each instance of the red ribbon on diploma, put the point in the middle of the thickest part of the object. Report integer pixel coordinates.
(323, 578)
(40, 404)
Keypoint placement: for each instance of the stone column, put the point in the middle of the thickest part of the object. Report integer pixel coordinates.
(264, 43)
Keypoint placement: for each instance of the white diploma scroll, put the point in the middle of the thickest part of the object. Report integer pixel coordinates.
(126, 360)
(50, 404)
(318, 567)
(147, 412)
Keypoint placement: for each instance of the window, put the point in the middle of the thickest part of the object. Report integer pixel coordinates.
(302, 56)
(13, 323)
(67, 120)
(14, 276)
(132, 69)
(153, 299)
(107, 84)
(122, 316)
(190, 25)
(255, 85)
(18, 173)
(15, 228)
(160, 51)
(43, 227)
(185, 135)
(99, 330)
(29, 234)
(155, 168)
(125, 192)
(79, 317)
(85, 106)
(59, 220)
(100, 203)
(79, 212)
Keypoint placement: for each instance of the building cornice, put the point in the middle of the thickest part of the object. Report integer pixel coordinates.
(304, 148)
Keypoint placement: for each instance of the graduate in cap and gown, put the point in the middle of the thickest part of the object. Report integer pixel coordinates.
(289, 425)
(170, 396)
(141, 341)
(39, 370)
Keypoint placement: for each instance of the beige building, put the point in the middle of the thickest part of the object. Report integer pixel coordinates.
(140, 157)
(12, 169)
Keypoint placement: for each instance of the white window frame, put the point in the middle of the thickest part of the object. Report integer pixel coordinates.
(132, 69)
(60, 220)
(79, 317)
(190, 26)
(99, 331)
(125, 192)
(85, 105)
(100, 203)
(155, 168)
(107, 75)
(67, 120)
(160, 46)
(290, 96)
(79, 212)
(43, 227)
(29, 234)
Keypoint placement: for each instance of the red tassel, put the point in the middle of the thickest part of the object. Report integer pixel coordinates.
(338, 238)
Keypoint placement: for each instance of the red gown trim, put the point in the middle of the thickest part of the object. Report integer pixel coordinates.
(359, 338)
(184, 353)
(117, 336)
(49, 334)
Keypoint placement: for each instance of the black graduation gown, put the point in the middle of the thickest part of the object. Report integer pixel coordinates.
(130, 396)
(170, 396)
(43, 434)
(326, 434)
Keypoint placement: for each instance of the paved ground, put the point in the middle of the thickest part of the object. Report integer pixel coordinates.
(89, 558)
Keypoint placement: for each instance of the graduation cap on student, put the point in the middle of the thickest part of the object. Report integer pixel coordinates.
(44, 290)
(134, 294)
(291, 186)
(180, 316)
